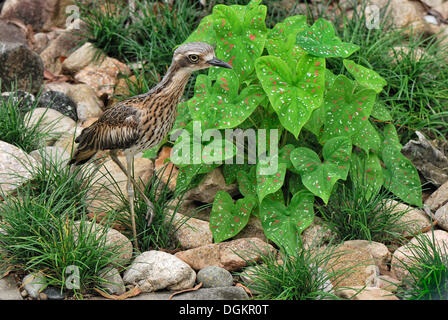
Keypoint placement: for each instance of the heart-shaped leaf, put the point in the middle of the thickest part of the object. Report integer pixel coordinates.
(218, 105)
(272, 182)
(240, 36)
(283, 225)
(204, 32)
(347, 114)
(320, 40)
(365, 76)
(227, 219)
(247, 182)
(367, 172)
(293, 95)
(189, 176)
(401, 177)
(320, 177)
(380, 112)
(281, 41)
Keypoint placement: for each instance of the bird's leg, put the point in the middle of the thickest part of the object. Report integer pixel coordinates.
(149, 204)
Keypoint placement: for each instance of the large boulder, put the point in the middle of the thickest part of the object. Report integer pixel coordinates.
(9, 32)
(19, 63)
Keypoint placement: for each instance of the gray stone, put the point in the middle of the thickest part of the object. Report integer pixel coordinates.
(213, 277)
(157, 270)
(222, 293)
(36, 13)
(53, 293)
(19, 63)
(33, 284)
(112, 281)
(9, 290)
(59, 102)
(9, 32)
(23, 99)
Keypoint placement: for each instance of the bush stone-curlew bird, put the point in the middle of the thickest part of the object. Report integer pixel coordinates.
(141, 122)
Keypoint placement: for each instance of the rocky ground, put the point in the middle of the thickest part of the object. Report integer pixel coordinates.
(34, 41)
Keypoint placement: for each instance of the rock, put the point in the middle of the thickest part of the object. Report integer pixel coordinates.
(8, 289)
(103, 75)
(88, 103)
(221, 293)
(429, 161)
(60, 102)
(23, 99)
(388, 283)
(191, 232)
(14, 167)
(441, 216)
(51, 121)
(213, 277)
(438, 198)
(117, 241)
(316, 234)
(401, 52)
(9, 32)
(367, 293)
(18, 62)
(408, 13)
(111, 281)
(40, 42)
(33, 284)
(36, 13)
(359, 264)
(406, 254)
(166, 170)
(105, 192)
(53, 293)
(62, 46)
(156, 270)
(52, 154)
(414, 220)
(80, 58)
(433, 3)
(443, 9)
(379, 252)
(225, 255)
(209, 186)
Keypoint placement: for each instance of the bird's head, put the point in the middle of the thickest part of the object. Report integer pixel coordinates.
(196, 56)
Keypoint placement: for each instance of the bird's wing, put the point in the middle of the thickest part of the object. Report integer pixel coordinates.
(117, 128)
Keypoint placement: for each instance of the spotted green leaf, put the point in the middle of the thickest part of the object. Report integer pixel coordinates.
(240, 36)
(247, 182)
(320, 177)
(270, 177)
(380, 112)
(390, 137)
(230, 171)
(189, 176)
(401, 177)
(204, 32)
(366, 170)
(282, 224)
(227, 218)
(365, 76)
(218, 105)
(281, 40)
(347, 114)
(293, 93)
(320, 40)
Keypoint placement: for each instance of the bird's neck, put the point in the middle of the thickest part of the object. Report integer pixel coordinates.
(174, 81)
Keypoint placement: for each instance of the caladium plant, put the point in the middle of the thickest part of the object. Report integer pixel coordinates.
(280, 80)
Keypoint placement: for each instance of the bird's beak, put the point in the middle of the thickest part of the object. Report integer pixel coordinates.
(219, 63)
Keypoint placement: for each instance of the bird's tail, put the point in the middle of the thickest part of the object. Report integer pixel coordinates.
(86, 148)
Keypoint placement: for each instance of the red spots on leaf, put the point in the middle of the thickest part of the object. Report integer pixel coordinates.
(346, 128)
(252, 37)
(236, 219)
(317, 64)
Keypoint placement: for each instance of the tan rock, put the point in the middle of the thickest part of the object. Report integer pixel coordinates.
(102, 75)
(438, 198)
(15, 167)
(253, 229)
(379, 252)
(191, 233)
(81, 58)
(414, 220)
(225, 254)
(316, 234)
(209, 186)
(406, 255)
(388, 283)
(368, 293)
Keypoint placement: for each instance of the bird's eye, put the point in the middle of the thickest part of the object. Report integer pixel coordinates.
(193, 58)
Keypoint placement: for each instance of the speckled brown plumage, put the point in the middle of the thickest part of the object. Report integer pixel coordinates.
(143, 121)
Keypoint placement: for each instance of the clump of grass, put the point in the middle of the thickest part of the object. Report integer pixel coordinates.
(427, 268)
(354, 212)
(15, 126)
(307, 275)
(40, 235)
